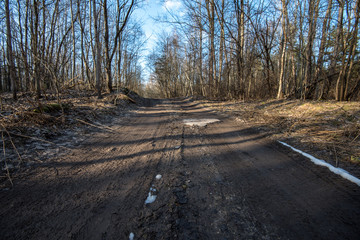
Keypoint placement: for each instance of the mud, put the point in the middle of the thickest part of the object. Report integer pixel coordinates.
(224, 180)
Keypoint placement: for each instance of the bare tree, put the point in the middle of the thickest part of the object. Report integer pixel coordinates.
(280, 93)
(73, 70)
(98, 51)
(220, 15)
(338, 47)
(34, 25)
(320, 62)
(312, 17)
(210, 7)
(346, 70)
(120, 18)
(11, 65)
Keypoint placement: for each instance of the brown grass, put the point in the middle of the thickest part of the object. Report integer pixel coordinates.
(28, 120)
(327, 129)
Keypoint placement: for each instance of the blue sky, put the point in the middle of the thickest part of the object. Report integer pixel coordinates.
(152, 9)
(147, 14)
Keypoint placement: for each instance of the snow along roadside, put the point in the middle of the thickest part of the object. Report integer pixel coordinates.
(333, 169)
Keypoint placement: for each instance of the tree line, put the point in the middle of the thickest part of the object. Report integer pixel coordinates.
(305, 49)
(219, 48)
(49, 45)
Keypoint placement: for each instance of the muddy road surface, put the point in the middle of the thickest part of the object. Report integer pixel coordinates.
(161, 174)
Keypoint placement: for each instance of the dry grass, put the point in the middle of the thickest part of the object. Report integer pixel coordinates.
(327, 129)
(29, 113)
(28, 121)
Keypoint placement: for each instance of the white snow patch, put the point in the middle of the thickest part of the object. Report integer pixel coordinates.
(151, 197)
(200, 122)
(333, 169)
(131, 236)
(158, 177)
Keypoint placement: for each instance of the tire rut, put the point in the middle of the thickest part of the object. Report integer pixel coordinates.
(221, 181)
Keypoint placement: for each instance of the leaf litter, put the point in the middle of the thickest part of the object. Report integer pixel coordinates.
(34, 131)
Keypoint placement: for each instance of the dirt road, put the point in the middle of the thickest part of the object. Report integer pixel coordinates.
(222, 181)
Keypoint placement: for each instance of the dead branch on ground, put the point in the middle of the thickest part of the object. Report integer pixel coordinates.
(103, 127)
(6, 165)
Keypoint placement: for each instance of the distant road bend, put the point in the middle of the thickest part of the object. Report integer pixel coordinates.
(177, 170)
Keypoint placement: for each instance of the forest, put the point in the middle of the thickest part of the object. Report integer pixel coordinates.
(179, 119)
(234, 49)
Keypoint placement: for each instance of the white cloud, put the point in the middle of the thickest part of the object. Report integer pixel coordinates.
(172, 4)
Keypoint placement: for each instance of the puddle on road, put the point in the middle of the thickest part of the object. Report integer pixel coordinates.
(199, 122)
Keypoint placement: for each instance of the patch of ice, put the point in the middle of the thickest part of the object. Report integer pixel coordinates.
(131, 236)
(158, 177)
(151, 198)
(200, 122)
(333, 169)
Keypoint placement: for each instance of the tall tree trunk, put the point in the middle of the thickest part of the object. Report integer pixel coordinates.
(220, 15)
(34, 47)
(84, 62)
(120, 71)
(202, 91)
(299, 53)
(73, 71)
(10, 51)
(280, 93)
(308, 80)
(339, 90)
(25, 55)
(98, 51)
(240, 41)
(352, 49)
(211, 19)
(107, 48)
(42, 43)
(242, 46)
(109, 55)
(320, 62)
(82, 44)
(24, 45)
